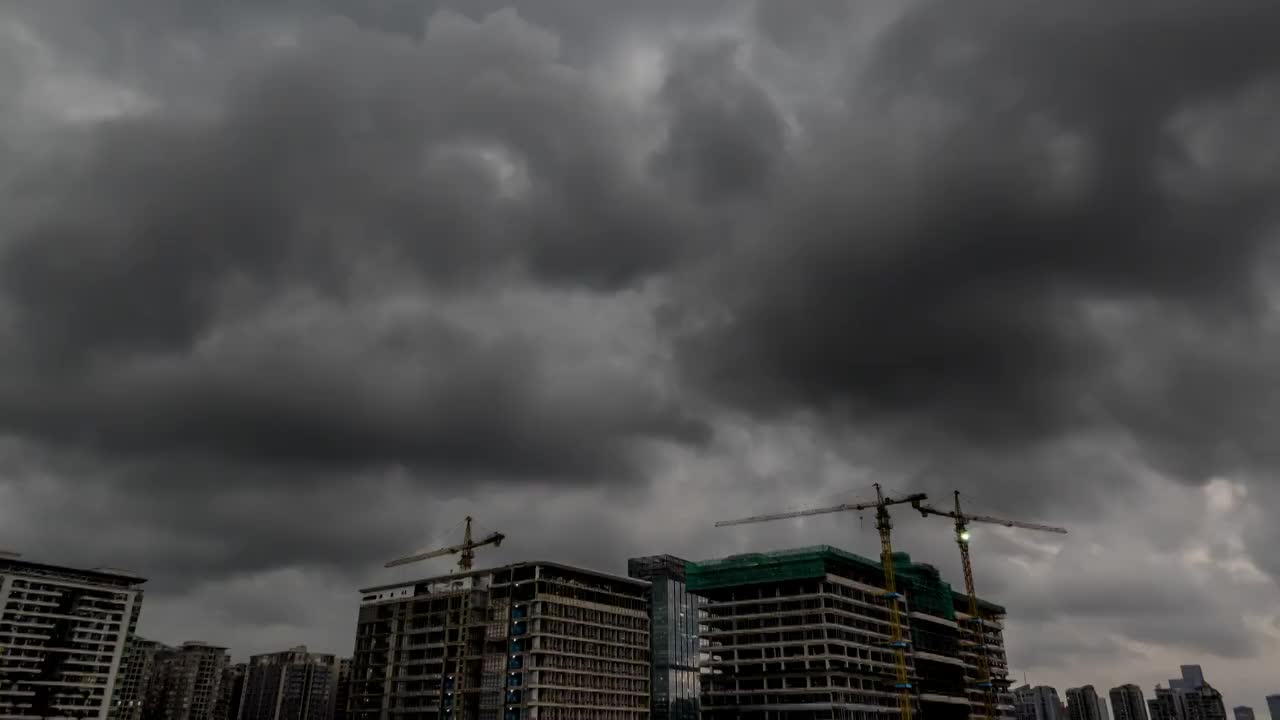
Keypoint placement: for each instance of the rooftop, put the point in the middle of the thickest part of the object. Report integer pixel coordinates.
(816, 561)
(97, 576)
(511, 566)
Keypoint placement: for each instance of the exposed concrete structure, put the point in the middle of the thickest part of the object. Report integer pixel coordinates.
(342, 705)
(290, 685)
(186, 683)
(1127, 703)
(804, 634)
(63, 638)
(529, 641)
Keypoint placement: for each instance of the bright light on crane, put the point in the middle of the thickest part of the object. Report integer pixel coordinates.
(962, 519)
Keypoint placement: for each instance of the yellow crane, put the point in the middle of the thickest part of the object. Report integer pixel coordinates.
(466, 551)
(884, 525)
(962, 520)
(452, 700)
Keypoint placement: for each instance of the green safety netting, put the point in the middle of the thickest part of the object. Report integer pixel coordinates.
(921, 583)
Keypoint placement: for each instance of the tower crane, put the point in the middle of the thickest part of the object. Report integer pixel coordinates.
(452, 702)
(884, 525)
(466, 551)
(962, 520)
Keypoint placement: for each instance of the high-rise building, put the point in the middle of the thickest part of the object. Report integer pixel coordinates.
(1243, 712)
(1127, 703)
(341, 706)
(136, 670)
(186, 683)
(290, 685)
(1037, 703)
(63, 637)
(673, 637)
(1192, 675)
(1082, 703)
(804, 633)
(1273, 706)
(529, 641)
(231, 693)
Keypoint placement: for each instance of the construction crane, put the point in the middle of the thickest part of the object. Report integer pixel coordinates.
(452, 700)
(466, 551)
(892, 597)
(962, 520)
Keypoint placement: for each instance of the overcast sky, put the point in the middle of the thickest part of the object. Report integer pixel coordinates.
(288, 287)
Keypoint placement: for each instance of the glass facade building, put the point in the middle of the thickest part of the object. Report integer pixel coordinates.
(674, 643)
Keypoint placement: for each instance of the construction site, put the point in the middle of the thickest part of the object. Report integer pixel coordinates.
(807, 633)
(536, 641)
(814, 633)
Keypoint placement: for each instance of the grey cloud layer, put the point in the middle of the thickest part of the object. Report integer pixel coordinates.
(359, 258)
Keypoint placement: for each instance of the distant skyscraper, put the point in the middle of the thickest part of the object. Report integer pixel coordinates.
(1082, 703)
(135, 677)
(1168, 705)
(1243, 712)
(1127, 703)
(1273, 706)
(1192, 675)
(341, 706)
(673, 637)
(186, 683)
(1037, 703)
(290, 685)
(231, 692)
(64, 655)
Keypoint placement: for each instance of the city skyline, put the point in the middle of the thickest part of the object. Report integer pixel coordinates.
(288, 289)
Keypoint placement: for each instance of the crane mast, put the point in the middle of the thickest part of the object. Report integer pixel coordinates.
(982, 653)
(452, 702)
(884, 526)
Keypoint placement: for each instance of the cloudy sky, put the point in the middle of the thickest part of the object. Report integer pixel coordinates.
(287, 287)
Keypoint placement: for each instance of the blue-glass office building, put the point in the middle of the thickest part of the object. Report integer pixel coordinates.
(674, 617)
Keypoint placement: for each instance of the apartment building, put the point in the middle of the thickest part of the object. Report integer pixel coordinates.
(805, 634)
(136, 670)
(186, 682)
(290, 685)
(63, 634)
(528, 641)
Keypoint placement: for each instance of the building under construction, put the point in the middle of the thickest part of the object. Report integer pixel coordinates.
(805, 634)
(529, 641)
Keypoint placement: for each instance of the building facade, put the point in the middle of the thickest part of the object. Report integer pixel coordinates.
(1038, 703)
(1083, 704)
(186, 683)
(674, 644)
(341, 706)
(805, 634)
(529, 641)
(1243, 712)
(290, 685)
(1128, 703)
(136, 670)
(231, 693)
(63, 638)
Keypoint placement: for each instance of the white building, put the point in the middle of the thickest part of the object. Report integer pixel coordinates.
(62, 638)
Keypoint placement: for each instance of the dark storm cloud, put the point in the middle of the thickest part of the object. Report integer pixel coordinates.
(940, 274)
(288, 287)
(125, 250)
